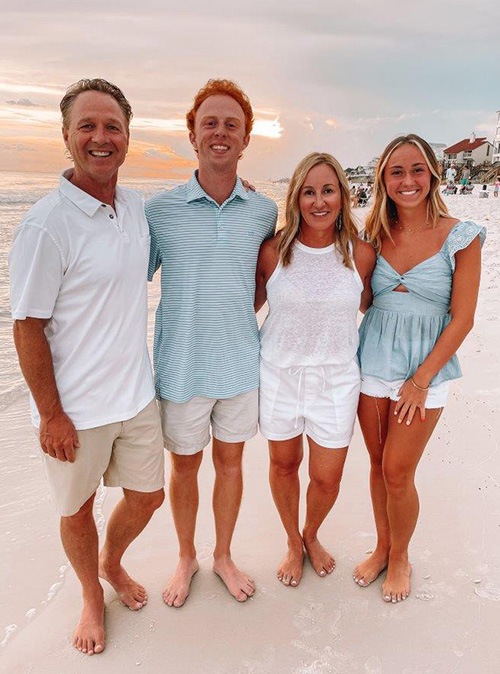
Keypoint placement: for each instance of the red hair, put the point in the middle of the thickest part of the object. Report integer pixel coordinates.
(222, 88)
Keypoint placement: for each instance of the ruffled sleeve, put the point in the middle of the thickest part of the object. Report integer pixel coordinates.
(460, 237)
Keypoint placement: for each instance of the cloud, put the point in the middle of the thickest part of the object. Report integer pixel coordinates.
(25, 103)
(166, 155)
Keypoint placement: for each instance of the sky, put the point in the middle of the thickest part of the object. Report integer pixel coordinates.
(343, 77)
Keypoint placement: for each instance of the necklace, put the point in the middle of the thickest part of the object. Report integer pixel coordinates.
(410, 230)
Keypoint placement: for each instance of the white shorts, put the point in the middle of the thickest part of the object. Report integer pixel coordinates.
(319, 400)
(379, 388)
(126, 454)
(186, 426)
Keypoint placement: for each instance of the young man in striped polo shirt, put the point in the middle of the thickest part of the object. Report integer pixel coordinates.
(206, 236)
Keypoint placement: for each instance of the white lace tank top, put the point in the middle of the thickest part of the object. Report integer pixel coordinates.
(313, 306)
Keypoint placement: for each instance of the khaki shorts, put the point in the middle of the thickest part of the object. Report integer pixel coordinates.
(127, 454)
(186, 426)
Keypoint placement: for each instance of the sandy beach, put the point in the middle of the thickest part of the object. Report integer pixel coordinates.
(449, 625)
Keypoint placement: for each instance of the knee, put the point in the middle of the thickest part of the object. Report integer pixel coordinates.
(228, 470)
(154, 500)
(284, 467)
(185, 467)
(145, 502)
(326, 484)
(397, 480)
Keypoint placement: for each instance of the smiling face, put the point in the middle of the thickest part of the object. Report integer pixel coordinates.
(320, 201)
(97, 137)
(219, 135)
(407, 177)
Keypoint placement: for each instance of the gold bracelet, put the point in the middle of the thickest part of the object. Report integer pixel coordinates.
(417, 386)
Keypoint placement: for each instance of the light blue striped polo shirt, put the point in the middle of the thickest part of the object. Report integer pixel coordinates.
(206, 337)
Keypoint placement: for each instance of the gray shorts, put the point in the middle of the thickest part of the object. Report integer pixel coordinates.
(186, 426)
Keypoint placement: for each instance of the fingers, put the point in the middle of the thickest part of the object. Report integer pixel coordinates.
(60, 445)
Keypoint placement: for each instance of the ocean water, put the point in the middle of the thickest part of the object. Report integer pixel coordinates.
(19, 191)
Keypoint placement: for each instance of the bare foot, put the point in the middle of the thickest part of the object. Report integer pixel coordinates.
(89, 634)
(321, 560)
(396, 586)
(290, 570)
(132, 594)
(238, 583)
(177, 590)
(369, 570)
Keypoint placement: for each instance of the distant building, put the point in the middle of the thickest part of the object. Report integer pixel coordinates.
(496, 141)
(469, 151)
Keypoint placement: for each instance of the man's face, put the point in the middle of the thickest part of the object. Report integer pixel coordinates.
(97, 136)
(219, 134)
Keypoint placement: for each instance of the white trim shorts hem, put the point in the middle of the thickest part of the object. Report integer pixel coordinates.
(379, 388)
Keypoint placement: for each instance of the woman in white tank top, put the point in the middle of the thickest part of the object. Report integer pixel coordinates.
(315, 275)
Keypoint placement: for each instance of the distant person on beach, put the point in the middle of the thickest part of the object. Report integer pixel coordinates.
(78, 270)
(315, 273)
(425, 286)
(496, 186)
(205, 236)
(465, 176)
(451, 174)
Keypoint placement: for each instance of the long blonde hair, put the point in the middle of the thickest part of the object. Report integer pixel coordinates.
(384, 212)
(346, 234)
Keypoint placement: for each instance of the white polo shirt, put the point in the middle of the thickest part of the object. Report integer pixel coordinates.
(83, 265)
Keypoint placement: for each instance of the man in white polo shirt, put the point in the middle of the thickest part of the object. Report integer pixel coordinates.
(206, 236)
(78, 269)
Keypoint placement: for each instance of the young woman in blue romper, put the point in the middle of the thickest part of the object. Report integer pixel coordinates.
(425, 288)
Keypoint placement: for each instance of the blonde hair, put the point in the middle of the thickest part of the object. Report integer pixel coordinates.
(384, 212)
(345, 235)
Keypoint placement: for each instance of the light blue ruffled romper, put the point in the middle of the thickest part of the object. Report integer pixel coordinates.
(400, 329)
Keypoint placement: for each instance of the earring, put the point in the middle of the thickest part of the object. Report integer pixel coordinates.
(339, 221)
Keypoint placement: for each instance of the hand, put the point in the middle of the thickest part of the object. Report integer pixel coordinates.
(58, 437)
(411, 399)
(248, 186)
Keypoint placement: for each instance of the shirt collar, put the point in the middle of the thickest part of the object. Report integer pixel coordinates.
(194, 190)
(82, 200)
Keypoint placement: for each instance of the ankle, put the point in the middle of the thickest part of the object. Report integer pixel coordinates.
(93, 594)
(309, 535)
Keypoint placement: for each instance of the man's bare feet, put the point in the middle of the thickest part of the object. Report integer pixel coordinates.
(177, 590)
(369, 570)
(89, 634)
(237, 582)
(396, 586)
(290, 570)
(131, 593)
(321, 560)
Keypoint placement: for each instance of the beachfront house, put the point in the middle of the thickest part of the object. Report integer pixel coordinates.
(469, 152)
(496, 141)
